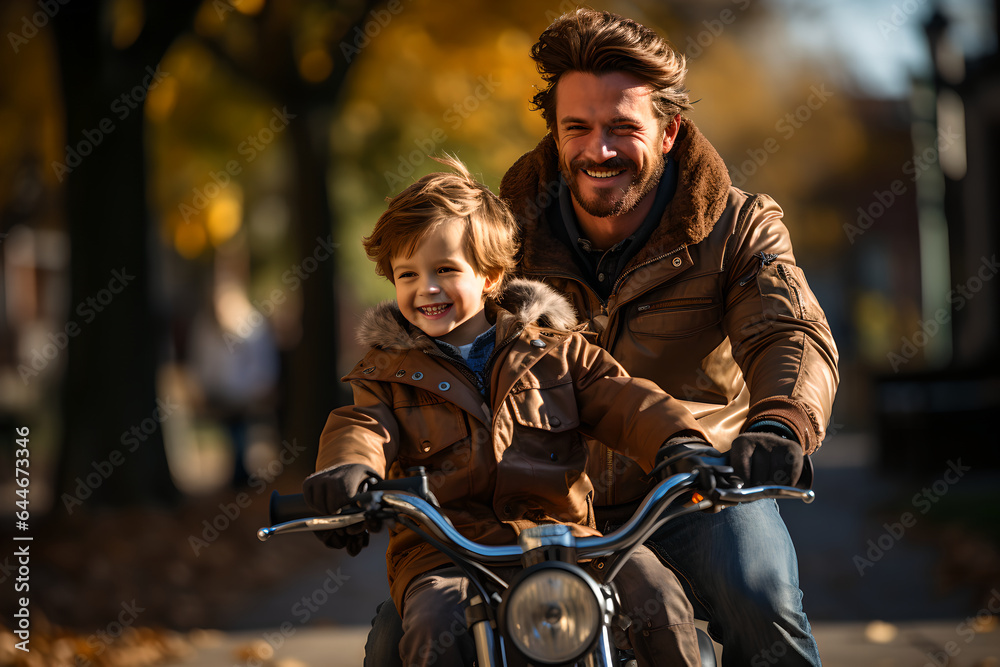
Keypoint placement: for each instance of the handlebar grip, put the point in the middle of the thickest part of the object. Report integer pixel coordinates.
(288, 507)
(805, 481)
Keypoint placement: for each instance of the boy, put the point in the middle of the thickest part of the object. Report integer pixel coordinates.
(490, 391)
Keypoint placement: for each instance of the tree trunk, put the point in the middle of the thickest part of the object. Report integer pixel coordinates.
(112, 444)
(315, 386)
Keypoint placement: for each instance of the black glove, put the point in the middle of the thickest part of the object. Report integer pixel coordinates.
(678, 444)
(329, 490)
(766, 458)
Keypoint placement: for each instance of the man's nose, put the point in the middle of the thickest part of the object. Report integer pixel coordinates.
(601, 147)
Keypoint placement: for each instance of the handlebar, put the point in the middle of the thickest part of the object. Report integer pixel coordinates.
(406, 502)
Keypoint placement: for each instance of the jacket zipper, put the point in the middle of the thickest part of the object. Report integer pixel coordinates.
(765, 259)
(613, 340)
(609, 460)
(461, 368)
(588, 290)
(791, 286)
(676, 303)
(488, 370)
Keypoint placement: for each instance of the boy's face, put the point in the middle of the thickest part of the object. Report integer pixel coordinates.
(437, 289)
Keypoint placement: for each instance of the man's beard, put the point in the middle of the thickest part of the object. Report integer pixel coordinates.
(603, 205)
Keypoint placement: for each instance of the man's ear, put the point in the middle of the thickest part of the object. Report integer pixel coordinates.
(670, 132)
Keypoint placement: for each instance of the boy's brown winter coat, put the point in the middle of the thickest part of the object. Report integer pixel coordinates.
(514, 461)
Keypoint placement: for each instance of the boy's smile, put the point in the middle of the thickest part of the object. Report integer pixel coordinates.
(435, 311)
(438, 290)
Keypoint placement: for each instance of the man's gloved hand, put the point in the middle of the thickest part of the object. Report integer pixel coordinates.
(327, 491)
(766, 458)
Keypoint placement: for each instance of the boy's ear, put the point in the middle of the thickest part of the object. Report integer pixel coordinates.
(492, 282)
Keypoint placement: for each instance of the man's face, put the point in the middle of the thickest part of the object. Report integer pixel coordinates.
(611, 147)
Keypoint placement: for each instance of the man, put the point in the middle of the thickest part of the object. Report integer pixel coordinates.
(626, 208)
(691, 283)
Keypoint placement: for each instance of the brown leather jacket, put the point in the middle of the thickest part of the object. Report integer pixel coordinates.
(515, 460)
(713, 308)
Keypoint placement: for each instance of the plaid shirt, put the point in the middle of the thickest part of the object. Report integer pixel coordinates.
(478, 355)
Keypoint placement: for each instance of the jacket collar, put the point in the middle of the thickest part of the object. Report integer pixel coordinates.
(524, 302)
(703, 183)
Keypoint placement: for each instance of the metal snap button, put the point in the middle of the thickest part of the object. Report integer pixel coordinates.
(677, 261)
(444, 386)
(554, 421)
(538, 342)
(417, 376)
(425, 446)
(400, 373)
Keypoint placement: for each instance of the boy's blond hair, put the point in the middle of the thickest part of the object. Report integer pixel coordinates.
(490, 231)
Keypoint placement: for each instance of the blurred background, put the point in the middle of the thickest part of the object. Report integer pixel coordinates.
(183, 191)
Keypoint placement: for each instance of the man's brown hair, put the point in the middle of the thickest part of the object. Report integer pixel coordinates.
(490, 232)
(595, 42)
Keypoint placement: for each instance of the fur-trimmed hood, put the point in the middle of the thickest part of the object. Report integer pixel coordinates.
(524, 302)
(703, 183)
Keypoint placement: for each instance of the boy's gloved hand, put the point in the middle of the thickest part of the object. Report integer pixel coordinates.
(678, 444)
(327, 491)
(766, 458)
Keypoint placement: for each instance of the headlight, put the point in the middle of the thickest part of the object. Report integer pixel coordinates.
(552, 613)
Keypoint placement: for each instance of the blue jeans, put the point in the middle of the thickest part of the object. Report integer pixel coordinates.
(752, 603)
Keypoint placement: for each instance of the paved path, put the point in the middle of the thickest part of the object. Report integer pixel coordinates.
(917, 644)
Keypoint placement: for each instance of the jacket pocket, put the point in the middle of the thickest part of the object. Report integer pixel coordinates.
(541, 476)
(436, 436)
(430, 428)
(784, 291)
(550, 408)
(676, 318)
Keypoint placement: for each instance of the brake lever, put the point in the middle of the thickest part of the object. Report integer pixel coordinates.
(744, 495)
(312, 524)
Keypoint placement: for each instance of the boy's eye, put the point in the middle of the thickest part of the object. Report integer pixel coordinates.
(445, 269)
(405, 274)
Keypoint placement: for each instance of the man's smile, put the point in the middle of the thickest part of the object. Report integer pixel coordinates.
(603, 173)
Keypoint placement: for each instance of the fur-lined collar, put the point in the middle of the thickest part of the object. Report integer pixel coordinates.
(703, 183)
(523, 302)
